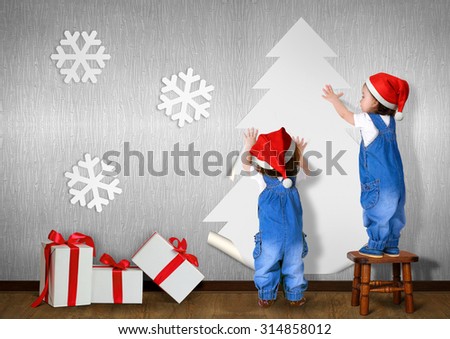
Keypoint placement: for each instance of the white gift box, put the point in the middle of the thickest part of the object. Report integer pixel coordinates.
(103, 285)
(155, 255)
(58, 275)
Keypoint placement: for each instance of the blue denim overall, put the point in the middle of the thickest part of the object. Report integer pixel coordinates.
(279, 245)
(382, 187)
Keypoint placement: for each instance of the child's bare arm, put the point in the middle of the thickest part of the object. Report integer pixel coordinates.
(333, 98)
(249, 140)
(301, 145)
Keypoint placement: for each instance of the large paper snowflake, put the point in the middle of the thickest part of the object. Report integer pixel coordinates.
(80, 57)
(186, 96)
(93, 182)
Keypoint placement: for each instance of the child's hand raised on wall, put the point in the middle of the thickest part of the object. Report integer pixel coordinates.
(301, 144)
(250, 137)
(249, 140)
(341, 109)
(329, 95)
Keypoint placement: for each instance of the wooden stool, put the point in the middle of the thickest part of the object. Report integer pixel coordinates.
(362, 284)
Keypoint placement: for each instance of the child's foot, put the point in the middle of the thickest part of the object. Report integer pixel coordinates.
(370, 252)
(392, 251)
(265, 303)
(298, 303)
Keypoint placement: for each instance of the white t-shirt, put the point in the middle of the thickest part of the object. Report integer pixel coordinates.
(301, 175)
(368, 130)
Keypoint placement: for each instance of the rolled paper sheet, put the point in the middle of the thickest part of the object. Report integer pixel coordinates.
(226, 246)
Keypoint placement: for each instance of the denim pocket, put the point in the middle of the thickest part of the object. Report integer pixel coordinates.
(257, 250)
(370, 193)
(305, 246)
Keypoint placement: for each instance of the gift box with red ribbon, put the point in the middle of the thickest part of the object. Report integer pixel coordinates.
(117, 282)
(168, 264)
(66, 270)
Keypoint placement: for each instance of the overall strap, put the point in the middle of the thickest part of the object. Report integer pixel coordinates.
(270, 181)
(379, 123)
(275, 181)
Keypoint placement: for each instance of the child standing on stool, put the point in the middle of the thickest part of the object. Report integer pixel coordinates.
(280, 244)
(380, 163)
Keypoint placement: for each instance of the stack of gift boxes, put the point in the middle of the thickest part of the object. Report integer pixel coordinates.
(69, 278)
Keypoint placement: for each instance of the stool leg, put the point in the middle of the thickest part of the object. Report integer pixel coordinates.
(396, 279)
(365, 288)
(407, 282)
(356, 284)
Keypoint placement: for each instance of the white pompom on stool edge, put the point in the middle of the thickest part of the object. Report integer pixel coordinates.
(287, 183)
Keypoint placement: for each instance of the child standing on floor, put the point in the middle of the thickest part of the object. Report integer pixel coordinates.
(380, 163)
(280, 243)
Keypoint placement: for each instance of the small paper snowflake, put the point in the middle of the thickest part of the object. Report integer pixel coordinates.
(93, 181)
(186, 97)
(80, 57)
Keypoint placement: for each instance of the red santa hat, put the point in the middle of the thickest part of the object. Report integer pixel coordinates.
(273, 151)
(390, 91)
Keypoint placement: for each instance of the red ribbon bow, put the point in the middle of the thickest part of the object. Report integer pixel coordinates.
(177, 261)
(58, 239)
(116, 275)
(108, 260)
(181, 249)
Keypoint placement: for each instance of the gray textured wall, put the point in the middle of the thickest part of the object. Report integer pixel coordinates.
(48, 125)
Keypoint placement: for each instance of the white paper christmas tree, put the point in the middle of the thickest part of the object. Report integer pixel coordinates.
(332, 215)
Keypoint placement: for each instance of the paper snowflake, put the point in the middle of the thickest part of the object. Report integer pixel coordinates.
(80, 57)
(186, 96)
(93, 181)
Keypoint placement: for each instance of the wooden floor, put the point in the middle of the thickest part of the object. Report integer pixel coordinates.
(226, 305)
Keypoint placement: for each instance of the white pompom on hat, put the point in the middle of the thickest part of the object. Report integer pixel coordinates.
(390, 91)
(287, 183)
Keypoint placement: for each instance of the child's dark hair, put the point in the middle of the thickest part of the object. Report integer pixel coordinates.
(383, 110)
(291, 166)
